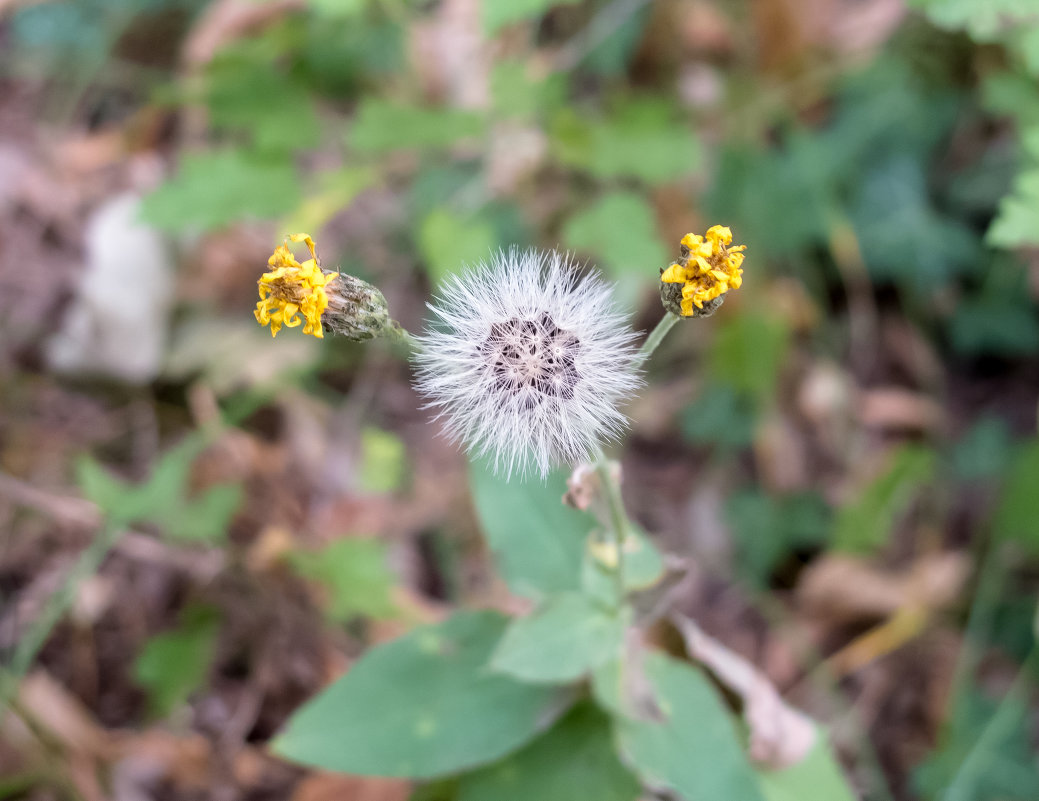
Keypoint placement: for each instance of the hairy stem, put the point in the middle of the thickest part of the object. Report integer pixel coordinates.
(656, 336)
(619, 524)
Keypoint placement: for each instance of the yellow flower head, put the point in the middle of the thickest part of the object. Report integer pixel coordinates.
(291, 289)
(709, 268)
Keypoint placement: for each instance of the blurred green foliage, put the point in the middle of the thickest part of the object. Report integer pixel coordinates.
(354, 574)
(175, 663)
(164, 499)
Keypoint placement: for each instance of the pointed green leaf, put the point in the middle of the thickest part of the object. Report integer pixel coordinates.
(693, 749)
(817, 777)
(565, 638)
(422, 706)
(575, 761)
(537, 541)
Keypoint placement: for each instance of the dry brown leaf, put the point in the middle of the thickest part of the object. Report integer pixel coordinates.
(53, 710)
(780, 736)
(332, 787)
(779, 452)
(847, 588)
(897, 409)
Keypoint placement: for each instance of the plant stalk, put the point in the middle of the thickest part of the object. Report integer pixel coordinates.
(619, 525)
(656, 336)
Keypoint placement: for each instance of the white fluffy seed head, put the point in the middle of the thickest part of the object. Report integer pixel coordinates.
(527, 362)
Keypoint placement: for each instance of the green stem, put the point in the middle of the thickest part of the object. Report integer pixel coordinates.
(963, 784)
(619, 524)
(657, 335)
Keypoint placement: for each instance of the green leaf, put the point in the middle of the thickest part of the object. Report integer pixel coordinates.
(982, 19)
(1017, 515)
(354, 574)
(174, 664)
(1017, 222)
(214, 189)
(499, 13)
(865, 524)
(566, 637)
(720, 416)
(164, 498)
(642, 138)
(619, 230)
(115, 498)
(817, 777)
(769, 529)
(422, 706)
(574, 761)
(448, 243)
(693, 749)
(537, 541)
(518, 93)
(984, 451)
(383, 460)
(204, 519)
(383, 126)
(246, 94)
(748, 353)
(1007, 768)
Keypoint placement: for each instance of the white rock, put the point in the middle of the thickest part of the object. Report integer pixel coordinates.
(117, 324)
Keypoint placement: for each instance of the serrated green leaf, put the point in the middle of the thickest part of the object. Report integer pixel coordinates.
(693, 749)
(537, 541)
(574, 761)
(355, 575)
(619, 230)
(817, 777)
(499, 13)
(1017, 515)
(383, 126)
(164, 498)
(866, 523)
(449, 243)
(642, 138)
(213, 189)
(422, 706)
(563, 639)
(175, 663)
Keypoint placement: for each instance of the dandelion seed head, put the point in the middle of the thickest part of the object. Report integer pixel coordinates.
(526, 361)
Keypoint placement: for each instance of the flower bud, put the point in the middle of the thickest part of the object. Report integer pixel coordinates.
(294, 293)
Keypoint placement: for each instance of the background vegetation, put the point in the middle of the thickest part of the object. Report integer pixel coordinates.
(201, 527)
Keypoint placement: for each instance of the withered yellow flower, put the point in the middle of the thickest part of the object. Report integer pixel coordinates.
(292, 289)
(710, 266)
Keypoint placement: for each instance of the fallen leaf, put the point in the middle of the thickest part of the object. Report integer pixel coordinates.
(780, 736)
